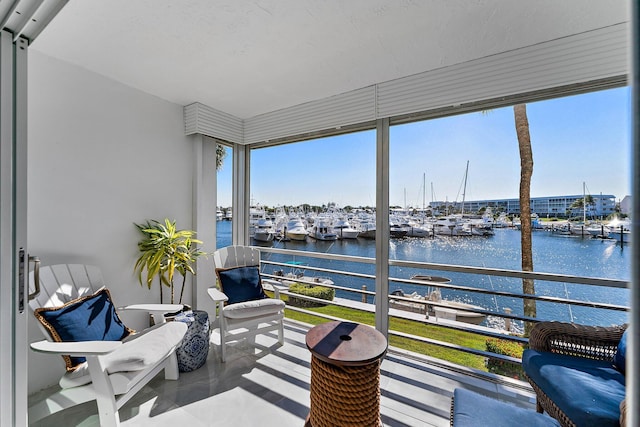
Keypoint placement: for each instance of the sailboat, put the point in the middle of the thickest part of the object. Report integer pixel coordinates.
(473, 225)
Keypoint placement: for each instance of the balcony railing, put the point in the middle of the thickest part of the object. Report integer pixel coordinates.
(505, 316)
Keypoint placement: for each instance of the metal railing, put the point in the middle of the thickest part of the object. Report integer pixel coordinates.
(362, 298)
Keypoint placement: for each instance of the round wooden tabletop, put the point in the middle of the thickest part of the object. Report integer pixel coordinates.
(346, 343)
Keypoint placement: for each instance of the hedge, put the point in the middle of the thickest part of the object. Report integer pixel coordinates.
(320, 292)
(501, 367)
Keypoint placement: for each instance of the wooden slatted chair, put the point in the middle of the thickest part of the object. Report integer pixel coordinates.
(80, 323)
(243, 309)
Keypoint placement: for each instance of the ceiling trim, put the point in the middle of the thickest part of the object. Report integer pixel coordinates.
(27, 18)
(599, 55)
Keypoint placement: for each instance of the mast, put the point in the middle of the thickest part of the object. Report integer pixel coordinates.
(584, 203)
(424, 190)
(464, 191)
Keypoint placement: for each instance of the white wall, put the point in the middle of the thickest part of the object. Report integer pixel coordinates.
(101, 157)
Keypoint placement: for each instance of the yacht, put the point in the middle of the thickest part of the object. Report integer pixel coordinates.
(367, 230)
(322, 231)
(264, 230)
(449, 226)
(344, 230)
(295, 229)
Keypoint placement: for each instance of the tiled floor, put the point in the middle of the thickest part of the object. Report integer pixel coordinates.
(268, 385)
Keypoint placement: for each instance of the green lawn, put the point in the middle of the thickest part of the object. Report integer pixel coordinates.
(461, 338)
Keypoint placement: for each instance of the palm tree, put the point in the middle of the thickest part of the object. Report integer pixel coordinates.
(583, 203)
(221, 153)
(526, 170)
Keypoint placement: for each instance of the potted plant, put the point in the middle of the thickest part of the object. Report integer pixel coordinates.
(165, 250)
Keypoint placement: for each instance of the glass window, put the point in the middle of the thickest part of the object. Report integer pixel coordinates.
(224, 213)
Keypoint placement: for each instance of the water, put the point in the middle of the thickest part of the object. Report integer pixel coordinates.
(551, 254)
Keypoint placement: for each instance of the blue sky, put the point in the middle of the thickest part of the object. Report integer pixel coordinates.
(582, 138)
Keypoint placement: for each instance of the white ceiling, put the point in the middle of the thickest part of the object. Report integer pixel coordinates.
(251, 57)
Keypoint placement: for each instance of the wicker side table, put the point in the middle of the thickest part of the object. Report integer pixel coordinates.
(345, 374)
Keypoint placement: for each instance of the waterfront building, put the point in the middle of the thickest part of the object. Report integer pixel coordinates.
(550, 206)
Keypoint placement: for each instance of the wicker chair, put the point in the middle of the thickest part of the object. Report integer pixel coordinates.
(592, 342)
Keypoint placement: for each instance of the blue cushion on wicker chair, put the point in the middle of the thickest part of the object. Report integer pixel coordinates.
(620, 358)
(588, 391)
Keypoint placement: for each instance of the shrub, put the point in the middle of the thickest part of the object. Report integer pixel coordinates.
(502, 367)
(320, 292)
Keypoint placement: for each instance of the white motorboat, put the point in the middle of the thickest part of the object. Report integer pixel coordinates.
(411, 227)
(298, 275)
(295, 229)
(367, 230)
(264, 230)
(322, 231)
(449, 226)
(344, 230)
(453, 310)
(443, 308)
(397, 230)
(503, 221)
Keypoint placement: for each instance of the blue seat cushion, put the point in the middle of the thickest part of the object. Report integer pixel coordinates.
(472, 410)
(90, 318)
(587, 391)
(241, 284)
(620, 358)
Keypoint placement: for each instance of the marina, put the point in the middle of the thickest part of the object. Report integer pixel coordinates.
(553, 253)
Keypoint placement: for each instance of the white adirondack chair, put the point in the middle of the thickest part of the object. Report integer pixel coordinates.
(146, 353)
(244, 320)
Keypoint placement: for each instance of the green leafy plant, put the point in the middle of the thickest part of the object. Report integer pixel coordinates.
(165, 250)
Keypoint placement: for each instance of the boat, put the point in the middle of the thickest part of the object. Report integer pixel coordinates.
(453, 310)
(503, 221)
(298, 275)
(443, 308)
(264, 230)
(598, 230)
(536, 224)
(344, 230)
(620, 230)
(418, 230)
(476, 227)
(561, 229)
(410, 226)
(295, 229)
(367, 229)
(397, 231)
(449, 226)
(322, 231)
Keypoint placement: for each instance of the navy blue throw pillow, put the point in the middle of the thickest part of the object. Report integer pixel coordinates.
(620, 358)
(240, 284)
(90, 318)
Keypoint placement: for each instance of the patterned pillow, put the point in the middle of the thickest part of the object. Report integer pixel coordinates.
(240, 284)
(90, 318)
